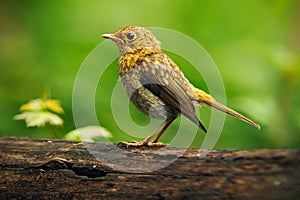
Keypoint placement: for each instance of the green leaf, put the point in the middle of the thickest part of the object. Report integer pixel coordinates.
(39, 118)
(43, 104)
(88, 134)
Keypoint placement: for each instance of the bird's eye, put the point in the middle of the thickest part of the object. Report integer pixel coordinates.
(130, 36)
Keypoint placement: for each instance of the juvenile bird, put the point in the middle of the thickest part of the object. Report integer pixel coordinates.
(156, 85)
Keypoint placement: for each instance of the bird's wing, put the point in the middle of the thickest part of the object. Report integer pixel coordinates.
(160, 80)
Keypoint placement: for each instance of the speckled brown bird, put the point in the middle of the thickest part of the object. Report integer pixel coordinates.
(156, 85)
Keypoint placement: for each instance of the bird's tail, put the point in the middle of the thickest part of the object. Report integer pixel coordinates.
(205, 98)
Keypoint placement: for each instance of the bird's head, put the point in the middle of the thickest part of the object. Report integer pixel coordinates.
(133, 38)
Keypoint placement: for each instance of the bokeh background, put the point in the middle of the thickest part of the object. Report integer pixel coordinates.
(255, 44)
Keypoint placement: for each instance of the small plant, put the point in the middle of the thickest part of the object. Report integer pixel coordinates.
(42, 112)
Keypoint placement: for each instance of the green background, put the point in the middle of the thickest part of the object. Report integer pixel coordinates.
(255, 44)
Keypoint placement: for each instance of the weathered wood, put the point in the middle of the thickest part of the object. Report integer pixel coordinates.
(44, 168)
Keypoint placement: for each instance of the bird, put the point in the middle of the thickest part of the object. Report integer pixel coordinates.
(156, 85)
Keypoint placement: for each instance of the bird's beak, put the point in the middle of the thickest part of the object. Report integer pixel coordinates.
(108, 36)
(112, 37)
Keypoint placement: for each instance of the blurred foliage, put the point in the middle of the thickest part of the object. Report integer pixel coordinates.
(42, 112)
(88, 134)
(255, 44)
(38, 112)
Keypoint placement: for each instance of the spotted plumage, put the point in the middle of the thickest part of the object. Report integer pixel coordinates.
(156, 85)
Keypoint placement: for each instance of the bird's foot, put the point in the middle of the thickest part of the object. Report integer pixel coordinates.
(142, 144)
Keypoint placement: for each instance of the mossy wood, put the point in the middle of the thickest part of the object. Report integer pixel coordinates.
(45, 168)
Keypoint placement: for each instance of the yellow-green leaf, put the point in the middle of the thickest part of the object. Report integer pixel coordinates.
(32, 105)
(54, 106)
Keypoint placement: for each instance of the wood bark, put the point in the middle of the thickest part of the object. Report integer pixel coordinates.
(47, 169)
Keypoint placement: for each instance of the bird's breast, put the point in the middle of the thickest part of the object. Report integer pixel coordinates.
(131, 69)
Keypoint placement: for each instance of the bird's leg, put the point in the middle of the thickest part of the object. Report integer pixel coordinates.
(146, 142)
(167, 123)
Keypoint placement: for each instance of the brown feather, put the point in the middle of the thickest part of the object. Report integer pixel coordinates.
(203, 97)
